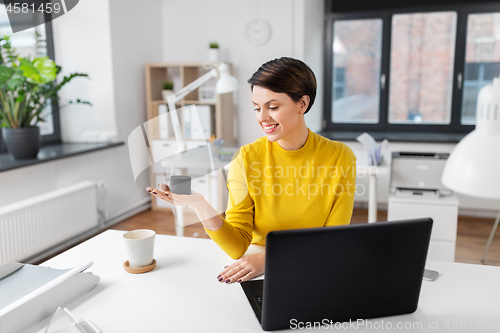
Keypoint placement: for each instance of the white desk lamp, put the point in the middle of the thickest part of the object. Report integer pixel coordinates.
(225, 84)
(473, 166)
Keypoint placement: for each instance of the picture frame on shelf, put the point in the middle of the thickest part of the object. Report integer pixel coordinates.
(207, 94)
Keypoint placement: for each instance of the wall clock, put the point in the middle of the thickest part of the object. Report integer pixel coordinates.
(257, 32)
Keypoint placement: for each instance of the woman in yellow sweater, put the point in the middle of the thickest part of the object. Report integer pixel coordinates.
(291, 178)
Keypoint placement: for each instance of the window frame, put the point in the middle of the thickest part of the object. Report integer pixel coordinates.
(55, 137)
(383, 126)
(329, 69)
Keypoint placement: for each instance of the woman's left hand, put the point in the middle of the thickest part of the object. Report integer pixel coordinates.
(244, 269)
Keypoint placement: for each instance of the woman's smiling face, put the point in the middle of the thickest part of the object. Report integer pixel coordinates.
(277, 113)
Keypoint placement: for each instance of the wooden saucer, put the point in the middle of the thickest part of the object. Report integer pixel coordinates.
(139, 270)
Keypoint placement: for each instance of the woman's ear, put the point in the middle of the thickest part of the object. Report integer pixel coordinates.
(304, 103)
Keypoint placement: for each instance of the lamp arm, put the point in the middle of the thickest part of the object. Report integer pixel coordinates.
(195, 84)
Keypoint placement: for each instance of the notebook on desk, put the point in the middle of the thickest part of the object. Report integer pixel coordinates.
(340, 273)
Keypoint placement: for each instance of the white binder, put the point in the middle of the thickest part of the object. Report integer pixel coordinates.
(163, 121)
(197, 122)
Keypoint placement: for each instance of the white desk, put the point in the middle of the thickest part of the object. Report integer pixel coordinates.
(182, 294)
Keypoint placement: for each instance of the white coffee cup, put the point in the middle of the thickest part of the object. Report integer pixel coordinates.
(139, 245)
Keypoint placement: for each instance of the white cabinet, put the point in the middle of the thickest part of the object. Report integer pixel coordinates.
(443, 211)
(190, 144)
(160, 150)
(209, 191)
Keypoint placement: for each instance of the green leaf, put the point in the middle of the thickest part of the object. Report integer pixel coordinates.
(30, 71)
(27, 85)
(79, 101)
(5, 74)
(66, 79)
(21, 96)
(39, 71)
(47, 68)
(16, 81)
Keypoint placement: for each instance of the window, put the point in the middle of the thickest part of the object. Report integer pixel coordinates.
(421, 72)
(477, 75)
(339, 82)
(482, 59)
(417, 70)
(356, 68)
(24, 42)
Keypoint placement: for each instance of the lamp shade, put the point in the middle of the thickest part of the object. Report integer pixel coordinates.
(473, 167)
(226, 83)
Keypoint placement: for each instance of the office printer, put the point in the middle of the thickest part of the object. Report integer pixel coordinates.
(418, 174)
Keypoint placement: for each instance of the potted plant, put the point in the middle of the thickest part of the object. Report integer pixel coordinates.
(168, 89)
(26, 87)
(213, 52)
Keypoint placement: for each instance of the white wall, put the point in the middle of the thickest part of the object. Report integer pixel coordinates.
(189, 26)
(112, 44)
(313, 47)
(136, 40)
(82, 42)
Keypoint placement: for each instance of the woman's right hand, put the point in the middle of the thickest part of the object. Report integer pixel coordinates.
(244, 269)
(194, 199)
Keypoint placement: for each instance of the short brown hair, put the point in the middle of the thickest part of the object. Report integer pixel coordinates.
(286, 75)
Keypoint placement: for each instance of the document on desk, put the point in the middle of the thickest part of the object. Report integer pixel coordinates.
(30, 293)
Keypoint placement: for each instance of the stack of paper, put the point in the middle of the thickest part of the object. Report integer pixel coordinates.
(375, 152)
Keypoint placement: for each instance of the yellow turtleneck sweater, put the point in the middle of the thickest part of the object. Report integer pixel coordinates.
(271, 188)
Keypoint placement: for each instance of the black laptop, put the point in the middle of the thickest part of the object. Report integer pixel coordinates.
(341, 273)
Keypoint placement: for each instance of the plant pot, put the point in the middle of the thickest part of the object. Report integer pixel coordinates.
(213, 55)
(166, 93)
(22, 142)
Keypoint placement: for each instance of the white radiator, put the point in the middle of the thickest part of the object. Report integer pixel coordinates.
(33, 225)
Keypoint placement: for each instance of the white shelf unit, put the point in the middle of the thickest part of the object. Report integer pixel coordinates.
(443, 211)
(221, 125)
